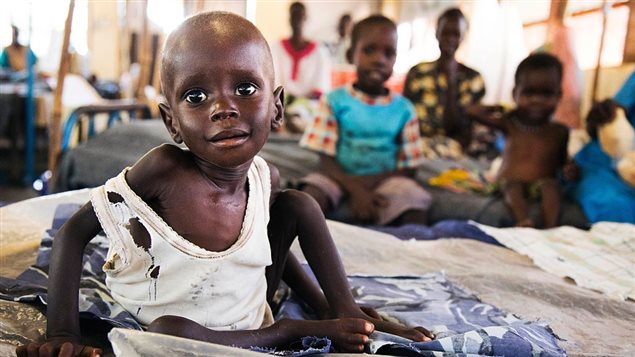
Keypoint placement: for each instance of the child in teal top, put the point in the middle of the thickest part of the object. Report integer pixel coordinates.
(368, 137)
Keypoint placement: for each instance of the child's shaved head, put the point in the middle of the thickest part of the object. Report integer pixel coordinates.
(217, 26)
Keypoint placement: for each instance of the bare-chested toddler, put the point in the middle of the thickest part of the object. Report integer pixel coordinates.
(535, 146)
(200, 237)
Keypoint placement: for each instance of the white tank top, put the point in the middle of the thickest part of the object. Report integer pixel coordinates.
(172, 276)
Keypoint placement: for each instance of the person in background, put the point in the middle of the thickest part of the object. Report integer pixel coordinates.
(535, 151)
(601, 191)
(442, 90)
(303, 68)
(210, 213)
(368, 138)
(338, 48)
(14, 56)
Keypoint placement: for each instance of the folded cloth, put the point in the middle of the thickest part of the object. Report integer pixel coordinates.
(445, 229)
(602, 258)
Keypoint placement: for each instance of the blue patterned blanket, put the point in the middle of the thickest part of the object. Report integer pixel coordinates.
(464, 326)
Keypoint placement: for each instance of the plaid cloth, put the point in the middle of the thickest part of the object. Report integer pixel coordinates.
(601, 259)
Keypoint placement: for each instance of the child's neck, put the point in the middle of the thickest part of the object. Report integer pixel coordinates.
(371, 91)
(224, 179)
(527, 126)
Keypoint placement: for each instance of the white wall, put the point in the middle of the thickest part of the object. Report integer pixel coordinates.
(104, 39)
(272, 17)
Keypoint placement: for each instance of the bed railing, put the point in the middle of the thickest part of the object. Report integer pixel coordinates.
(114, 109)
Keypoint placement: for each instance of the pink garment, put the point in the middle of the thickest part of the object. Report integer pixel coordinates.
(559, 44)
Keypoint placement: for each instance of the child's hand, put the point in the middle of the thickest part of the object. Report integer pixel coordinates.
(59, 347)
(416, 334)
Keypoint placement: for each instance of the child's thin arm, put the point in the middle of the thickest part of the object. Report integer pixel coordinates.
(300, 282)
(64, 273)
(349, 334)
(65, 270)
(293, 274)
(490, 115)
(320, 251)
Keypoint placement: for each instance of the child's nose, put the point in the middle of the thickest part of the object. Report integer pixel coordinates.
(378, 58)
(223, 109)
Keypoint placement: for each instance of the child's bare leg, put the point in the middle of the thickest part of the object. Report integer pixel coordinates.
(514, 193)
(297, 214)
(304, 286)
(550, 201)
(321, 198)
(349, 335)
(416, 216)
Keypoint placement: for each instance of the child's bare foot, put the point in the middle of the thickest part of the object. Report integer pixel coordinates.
(527, 222)
(347, 334)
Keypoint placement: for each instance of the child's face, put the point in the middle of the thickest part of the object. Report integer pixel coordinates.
(450, 34)
(537, 94)
(374, 56)
(221, 102)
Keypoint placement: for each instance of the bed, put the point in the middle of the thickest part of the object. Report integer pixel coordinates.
(581, 321)
(91, 163)
(469, 283)
(586, 322)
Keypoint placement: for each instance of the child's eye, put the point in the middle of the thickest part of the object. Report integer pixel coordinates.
(195, 96)
(245, 89)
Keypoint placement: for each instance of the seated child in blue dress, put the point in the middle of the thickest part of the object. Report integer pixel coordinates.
(368, 138)
(200, 237)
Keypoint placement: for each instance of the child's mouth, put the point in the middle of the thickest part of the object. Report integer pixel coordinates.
(375, 75)
(230, 138)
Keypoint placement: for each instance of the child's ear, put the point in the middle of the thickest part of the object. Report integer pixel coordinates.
(278, 97)
(170, 123)
(349, 55)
